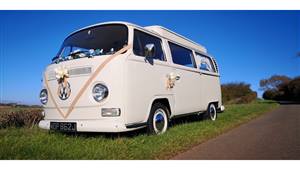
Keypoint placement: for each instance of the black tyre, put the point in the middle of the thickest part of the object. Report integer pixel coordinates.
(158, 121)
(211, 112)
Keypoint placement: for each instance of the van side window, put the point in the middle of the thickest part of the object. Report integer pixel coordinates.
(141, 39)
(206, 63)
(181, 55)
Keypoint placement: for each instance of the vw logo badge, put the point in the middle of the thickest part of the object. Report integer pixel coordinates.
(64, 91)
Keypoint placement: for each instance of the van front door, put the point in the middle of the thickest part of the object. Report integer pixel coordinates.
(145, 76)
(187, 91)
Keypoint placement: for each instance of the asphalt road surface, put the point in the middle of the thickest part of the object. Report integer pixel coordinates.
(275, 135)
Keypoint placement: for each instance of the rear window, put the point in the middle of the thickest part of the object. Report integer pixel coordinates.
(181, 55)
(141, 39)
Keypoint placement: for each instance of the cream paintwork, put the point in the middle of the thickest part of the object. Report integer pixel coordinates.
(133, 85)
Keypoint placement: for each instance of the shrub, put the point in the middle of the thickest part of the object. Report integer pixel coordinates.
(237, 93)
(248, 98)
(20, 118)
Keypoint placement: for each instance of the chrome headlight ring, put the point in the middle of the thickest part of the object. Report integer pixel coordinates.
(99, 92)
(44, 96)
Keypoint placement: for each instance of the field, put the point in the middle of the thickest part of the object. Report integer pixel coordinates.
(34, 143)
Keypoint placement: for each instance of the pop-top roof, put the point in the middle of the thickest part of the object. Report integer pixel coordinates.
(175, 37)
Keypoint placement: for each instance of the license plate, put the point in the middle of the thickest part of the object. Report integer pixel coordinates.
(63, 126)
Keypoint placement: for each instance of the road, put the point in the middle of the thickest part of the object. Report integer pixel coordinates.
(275, 135)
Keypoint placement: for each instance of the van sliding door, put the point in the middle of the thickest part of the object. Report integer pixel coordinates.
(187, 88)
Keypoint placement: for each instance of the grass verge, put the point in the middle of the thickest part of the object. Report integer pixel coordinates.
(34, 143)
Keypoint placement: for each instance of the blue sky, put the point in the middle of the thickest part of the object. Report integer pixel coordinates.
(248, 45)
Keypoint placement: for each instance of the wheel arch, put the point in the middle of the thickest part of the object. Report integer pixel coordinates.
(168, 101)
(216, 103)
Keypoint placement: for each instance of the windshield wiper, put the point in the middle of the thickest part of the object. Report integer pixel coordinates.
(78, 54)
(54, 59)
(57, 59)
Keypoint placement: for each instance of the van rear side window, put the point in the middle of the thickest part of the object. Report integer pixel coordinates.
(206, 63)
(141, 39)
(181, 55)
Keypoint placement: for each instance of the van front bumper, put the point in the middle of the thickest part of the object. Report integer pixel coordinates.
(222, 108)
(110, 125)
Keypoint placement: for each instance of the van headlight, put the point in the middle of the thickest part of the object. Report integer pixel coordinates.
(44, 96)
(100, 92)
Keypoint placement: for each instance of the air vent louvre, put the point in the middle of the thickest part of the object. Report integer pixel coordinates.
(72, 72)
(80, 71)
(217, 68)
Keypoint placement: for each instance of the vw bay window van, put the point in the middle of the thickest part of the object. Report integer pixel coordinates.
(117, 76)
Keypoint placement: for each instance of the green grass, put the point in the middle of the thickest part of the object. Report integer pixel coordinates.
(34, 143)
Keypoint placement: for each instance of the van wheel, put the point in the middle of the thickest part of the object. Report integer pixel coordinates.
(211, 112)
(158, 121)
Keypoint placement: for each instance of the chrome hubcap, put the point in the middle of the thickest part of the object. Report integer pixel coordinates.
(160, 121)
(212, 113)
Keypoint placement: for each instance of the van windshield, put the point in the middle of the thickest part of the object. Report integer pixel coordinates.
(94, 41)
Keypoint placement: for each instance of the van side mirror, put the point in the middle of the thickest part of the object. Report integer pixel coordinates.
(149, 50)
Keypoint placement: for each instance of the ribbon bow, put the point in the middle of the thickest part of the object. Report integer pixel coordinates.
(61, 75)
(171, 78)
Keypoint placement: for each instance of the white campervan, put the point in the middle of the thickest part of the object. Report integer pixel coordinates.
(117, 76)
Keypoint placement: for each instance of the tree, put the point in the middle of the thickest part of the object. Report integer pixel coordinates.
(294, 89)
(275, 82)
(281, 88)
(270, 94)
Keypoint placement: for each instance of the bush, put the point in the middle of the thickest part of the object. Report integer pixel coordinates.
(237, 93)
(248, 98)
(20, 118)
